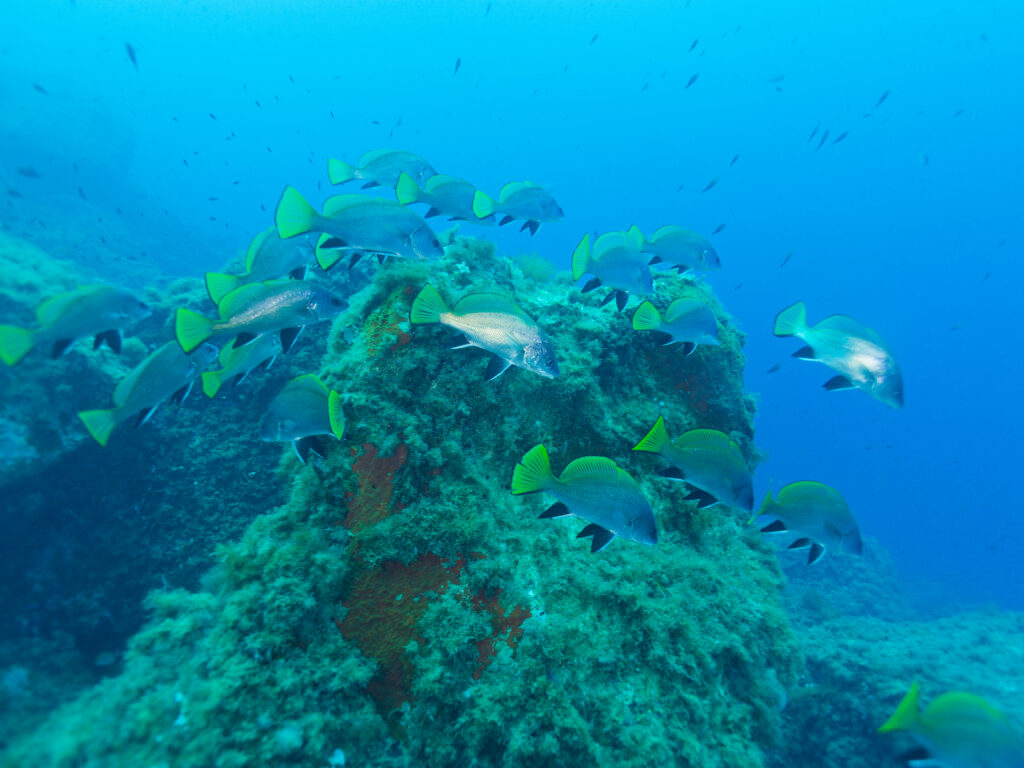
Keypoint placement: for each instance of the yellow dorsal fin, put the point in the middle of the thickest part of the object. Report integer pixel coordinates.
(592, 468)
(55, 306)
(255, 245)
(706, 440)
(515, 186)
(487, 302)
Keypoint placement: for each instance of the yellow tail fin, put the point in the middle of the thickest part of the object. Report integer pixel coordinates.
(191, 329)
(427, 307)
(646, 318)
(655, 440)
(339, 172)
(483, 205)
(906, 714)
(294, 216)
(99, 423)
(533, 472)
(792, 320)
(219, 286)
(15, 343)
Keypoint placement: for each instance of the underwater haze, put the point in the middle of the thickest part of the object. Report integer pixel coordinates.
(860, 158)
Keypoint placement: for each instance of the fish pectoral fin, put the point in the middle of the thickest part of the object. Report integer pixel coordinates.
(298, 274)
(314, 445)
(238, 379)
(804, 353)
(703, 498)
(621, 297)
(60, 346)
(495, 367)
(112, 338)
(145, 415)
(672, 473)
(832, 530)
(288, 337)
(370, 185)
(179, 396)
(458, 341)
(838, 382)
(533, 226)
(800, 544)
(432, 212)
(593, 283)
(817, 552)
(332, 243)
(381, 258)
(558, 509)
(602, 537)
(303, 447)
(655, 260)
(688, 348)
(776, 526)
(918, 757)
(505, 220)
(356, 257)
(242, 339)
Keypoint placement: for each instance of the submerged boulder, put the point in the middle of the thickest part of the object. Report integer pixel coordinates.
(402, 607)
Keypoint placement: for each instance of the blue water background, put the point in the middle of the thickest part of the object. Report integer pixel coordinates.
(911, 224)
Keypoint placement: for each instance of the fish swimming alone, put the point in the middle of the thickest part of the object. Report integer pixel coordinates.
(707, 461)
(302, 411)
(818, 514)
(682, 249)
(593, 489)
(101, 311)
(268, 258)
(236, 363)
(381, 168)
(851, 349)
(615, 261)
(357, 225)
(491, 322)
(284, 306)
(520, 200)
(686, 322)
(446, 195)
(166, 373)
(957, 730)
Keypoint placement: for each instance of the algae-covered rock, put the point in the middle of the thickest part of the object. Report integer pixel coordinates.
(859, 668)
(403, 607)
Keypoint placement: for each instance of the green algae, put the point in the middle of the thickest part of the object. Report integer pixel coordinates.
(504, 641)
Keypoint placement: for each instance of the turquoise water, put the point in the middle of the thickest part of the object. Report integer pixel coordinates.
(149, 166)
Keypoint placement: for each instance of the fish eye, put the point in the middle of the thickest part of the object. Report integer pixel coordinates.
(335, 302)
(436, 243)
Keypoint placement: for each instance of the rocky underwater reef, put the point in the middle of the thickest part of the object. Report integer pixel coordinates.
(190, 595)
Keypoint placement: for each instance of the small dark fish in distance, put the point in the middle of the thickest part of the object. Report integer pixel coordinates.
(710, 184)
(958, 113)
(258, 104)
(40, 88)
(883, 97)
(29, 172)
(824, 138)
(680, 188)
(81, 193)
(719, 228)
(488, 9)
(212, 116)
(786, 259)
(777, 79)
(694, 43)
(458, 63)
(594, 39)
(692, 80)
(734, 159)
(813, 133)
(292, 79)
(840, 137)
(774, 368)
(644, 88)
(131, 55)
